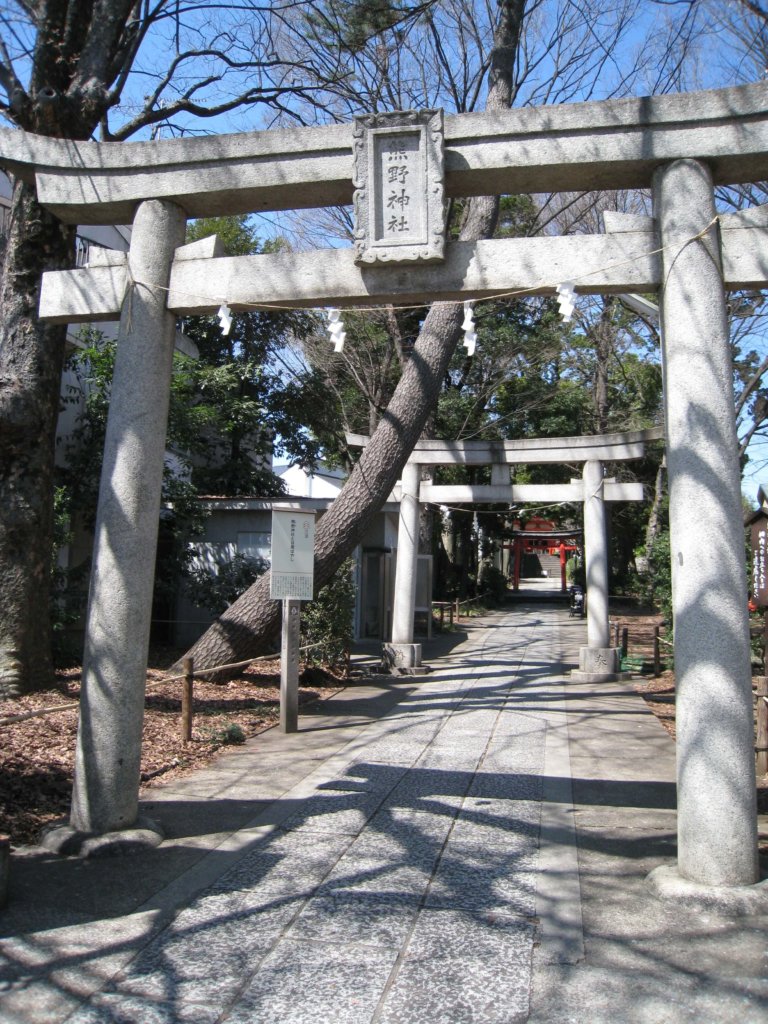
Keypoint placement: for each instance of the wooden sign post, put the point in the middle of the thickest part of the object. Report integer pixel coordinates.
(292, 581)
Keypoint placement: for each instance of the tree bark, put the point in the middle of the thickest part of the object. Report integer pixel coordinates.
(76, 46)
(250, 625)
(31, 360)
(653, 528)
(603, 338)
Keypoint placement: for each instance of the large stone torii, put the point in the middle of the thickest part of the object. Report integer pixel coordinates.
(678, 145)
(598, 662)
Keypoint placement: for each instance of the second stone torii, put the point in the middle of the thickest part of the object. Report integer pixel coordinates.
(598, 661)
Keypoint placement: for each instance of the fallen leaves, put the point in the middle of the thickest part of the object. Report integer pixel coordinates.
(37, 754)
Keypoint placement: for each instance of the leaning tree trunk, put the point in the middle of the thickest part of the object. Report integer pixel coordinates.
(31, 359)
(653, 529)
(249, 626)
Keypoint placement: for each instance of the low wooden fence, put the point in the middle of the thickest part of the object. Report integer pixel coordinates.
(621, 636)
(454, 609)
(186, 677)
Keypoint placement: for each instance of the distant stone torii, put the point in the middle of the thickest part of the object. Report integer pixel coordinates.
(680, 146)
(598, 661)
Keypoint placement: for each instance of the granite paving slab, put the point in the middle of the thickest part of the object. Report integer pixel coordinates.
(497, 824)
(306, 982)
(119, 1008)
(283, 864)
(359, 919)
(474, 934)
(378, 875)
(463, 991)
(508, 889)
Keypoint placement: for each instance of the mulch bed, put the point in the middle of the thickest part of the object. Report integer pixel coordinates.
(659, 692)
(37, 754)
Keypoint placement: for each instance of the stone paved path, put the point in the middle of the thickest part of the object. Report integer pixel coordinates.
(403, 887)
(470, 847)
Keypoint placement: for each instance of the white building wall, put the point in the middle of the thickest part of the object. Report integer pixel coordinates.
(325, 483)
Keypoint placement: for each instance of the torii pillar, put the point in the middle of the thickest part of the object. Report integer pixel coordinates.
(598, 662)
(402, 653)
(107, 762)
(717, 858)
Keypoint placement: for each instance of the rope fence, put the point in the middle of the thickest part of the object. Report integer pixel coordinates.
(151, 685)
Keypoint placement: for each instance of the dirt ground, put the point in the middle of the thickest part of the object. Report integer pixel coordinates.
(659, 692)
(37, 754)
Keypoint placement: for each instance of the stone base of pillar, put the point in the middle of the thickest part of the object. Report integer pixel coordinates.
(67, 841)
(667, 883)
(402, 659)
(598, 665)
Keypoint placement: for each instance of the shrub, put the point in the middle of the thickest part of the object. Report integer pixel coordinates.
(575, 573)
(328, 621)
(492, 581)
(217, 590)
(659, 577)
(229, 733)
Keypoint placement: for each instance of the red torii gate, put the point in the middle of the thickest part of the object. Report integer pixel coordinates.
(539, 529)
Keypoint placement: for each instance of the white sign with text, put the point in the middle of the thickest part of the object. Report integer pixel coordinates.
(293, 555)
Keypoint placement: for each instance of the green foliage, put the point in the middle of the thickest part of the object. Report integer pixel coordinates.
(492, 582)
(181, 518)
(221, 419)
(575, 573)
(236, 233)
(328, 621)
(65, 606)
(216, 590)
(659, 577)
(93, 366)
(230, 733)
(235, 402)
(352, 23)
(181, 521)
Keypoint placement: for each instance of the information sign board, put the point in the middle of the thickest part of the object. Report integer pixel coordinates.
(760, 562)
(293, 555)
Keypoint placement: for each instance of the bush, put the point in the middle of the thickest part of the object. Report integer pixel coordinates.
(659, 576)
(217, 590)
(230, 733)
(575, 573)
(492, 581)
(328, 621)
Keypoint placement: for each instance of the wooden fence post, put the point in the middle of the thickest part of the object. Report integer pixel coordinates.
(289, 665)
(656, 652)
(187, 685)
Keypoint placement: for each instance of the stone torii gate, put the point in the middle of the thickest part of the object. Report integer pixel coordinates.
(598, 661)
(679, 146)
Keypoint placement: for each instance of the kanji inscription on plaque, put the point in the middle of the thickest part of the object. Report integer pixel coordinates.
(399, 187)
